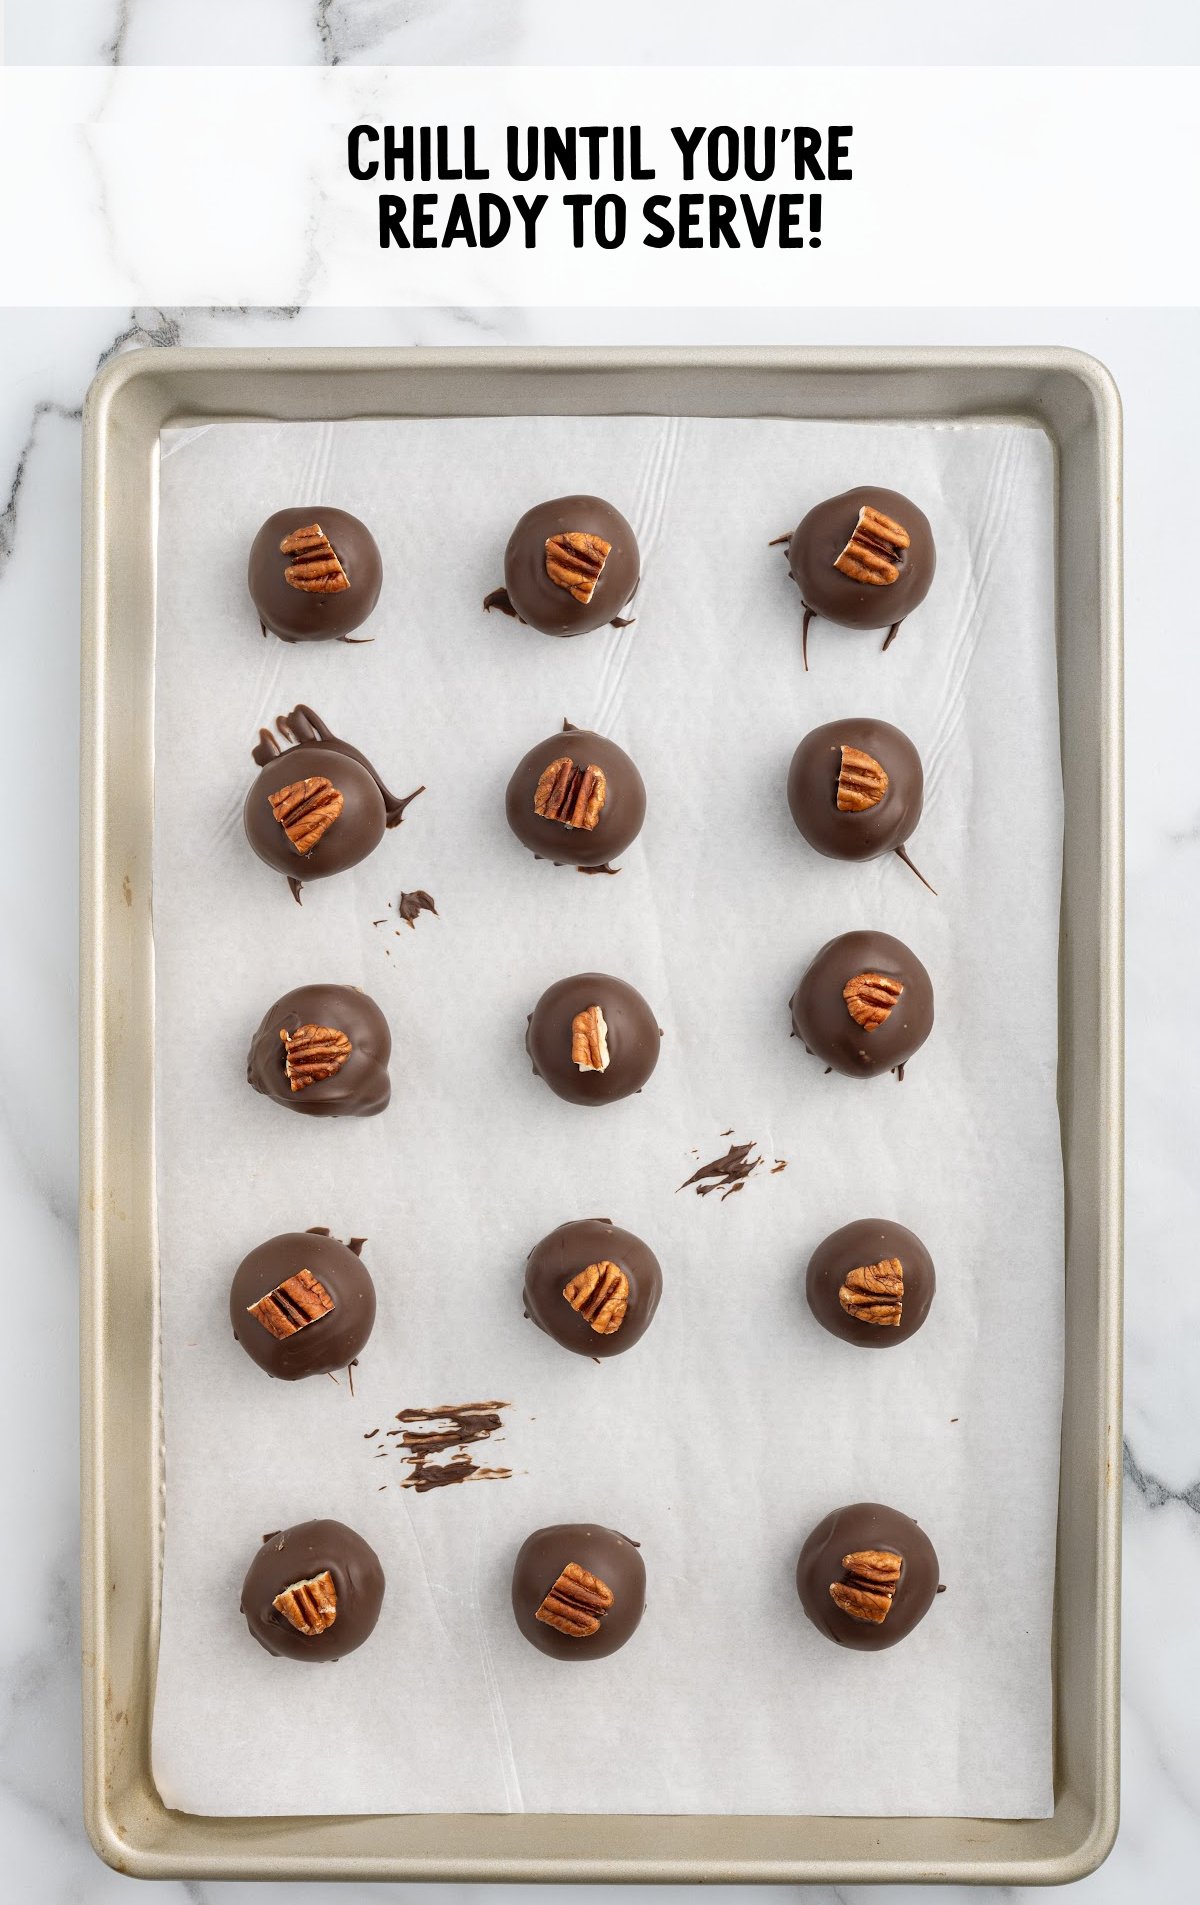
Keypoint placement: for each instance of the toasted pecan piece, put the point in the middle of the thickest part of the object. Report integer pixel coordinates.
(870, 998)
(574, 561)
(313, 1052)
(292, 1305)
(870, 555)
(316, 570)
(306, 810)
(589, 1040)
(310, 1606)
(872, 1577)
(571, 794)
(862, 782)
(874, 1293)
(601, 1296)
(576, 1604)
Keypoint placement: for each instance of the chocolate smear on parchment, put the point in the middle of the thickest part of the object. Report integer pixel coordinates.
(426, 1433)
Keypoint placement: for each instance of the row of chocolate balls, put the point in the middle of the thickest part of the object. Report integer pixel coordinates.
(303, 1303)
(863, 560)
(866, 1576)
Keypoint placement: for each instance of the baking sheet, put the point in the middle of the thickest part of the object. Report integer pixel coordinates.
(736, 1424)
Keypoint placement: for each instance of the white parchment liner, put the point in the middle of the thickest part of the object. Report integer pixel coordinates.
(736, 1423)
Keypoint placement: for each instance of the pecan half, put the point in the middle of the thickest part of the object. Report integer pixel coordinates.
(570, 794)
(313, 1052)
(574, 561)
(874, 1293)
(589, 1040)
(316, 569)
(576, 1604)
(601, 1296)
(870, 555)
(310, 1606)
(862, 783)
(870, 997)
(306, 810)
(292, 1305)
(872, 1577)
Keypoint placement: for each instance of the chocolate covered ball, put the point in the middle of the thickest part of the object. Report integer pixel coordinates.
(576, 799)
(864, 1006)
(856, 789)
(578, 1591)
(592, 1286)
(313, 1592)
(302, 1304)
(866, 1575)
(314, 573)
(871, 1283)
(571, 565)
(324, 1051)
(864, 559)
(593, 1039)
(318, 806)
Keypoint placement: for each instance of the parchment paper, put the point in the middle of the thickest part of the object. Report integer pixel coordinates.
(736, 1423)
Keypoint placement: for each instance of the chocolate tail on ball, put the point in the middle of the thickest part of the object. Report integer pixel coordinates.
(318, 806)
(323, 1050)
(571, 565)
(864, 1006)
(864, 559)
(303, 1304)
(856, 789)
(313, 1592)
(314, 574)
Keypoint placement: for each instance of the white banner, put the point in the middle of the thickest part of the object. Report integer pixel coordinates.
(599, 186)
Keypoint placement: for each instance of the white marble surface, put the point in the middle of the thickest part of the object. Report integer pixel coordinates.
(48, 360)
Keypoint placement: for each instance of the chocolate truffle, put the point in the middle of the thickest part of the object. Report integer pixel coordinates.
(314, 573)
(318, 806)
(866, 1576)
(571, 565)
(578, 1591)
(871, 1283)
(593, 1039)
(323, 1050)
(576, 799)
(864, 559)
(302, 1304)
(592, 1286)
(856, 789)
(864, 1006)
(313, 1592)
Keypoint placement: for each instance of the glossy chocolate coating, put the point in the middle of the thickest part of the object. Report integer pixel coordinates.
(611, 1557)
(298, 615)
(862, 1527)
(543, 603)
(621, 816)
(821, 1017)
(633, 1038)
(302, 1554)
(818, 541)
(812, 790)
(869, 1241)
(368, 806)
(562, 1255)
(330, 1342)
(362, 1086)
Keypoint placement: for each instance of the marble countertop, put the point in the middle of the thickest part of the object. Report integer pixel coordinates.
(49, 358)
